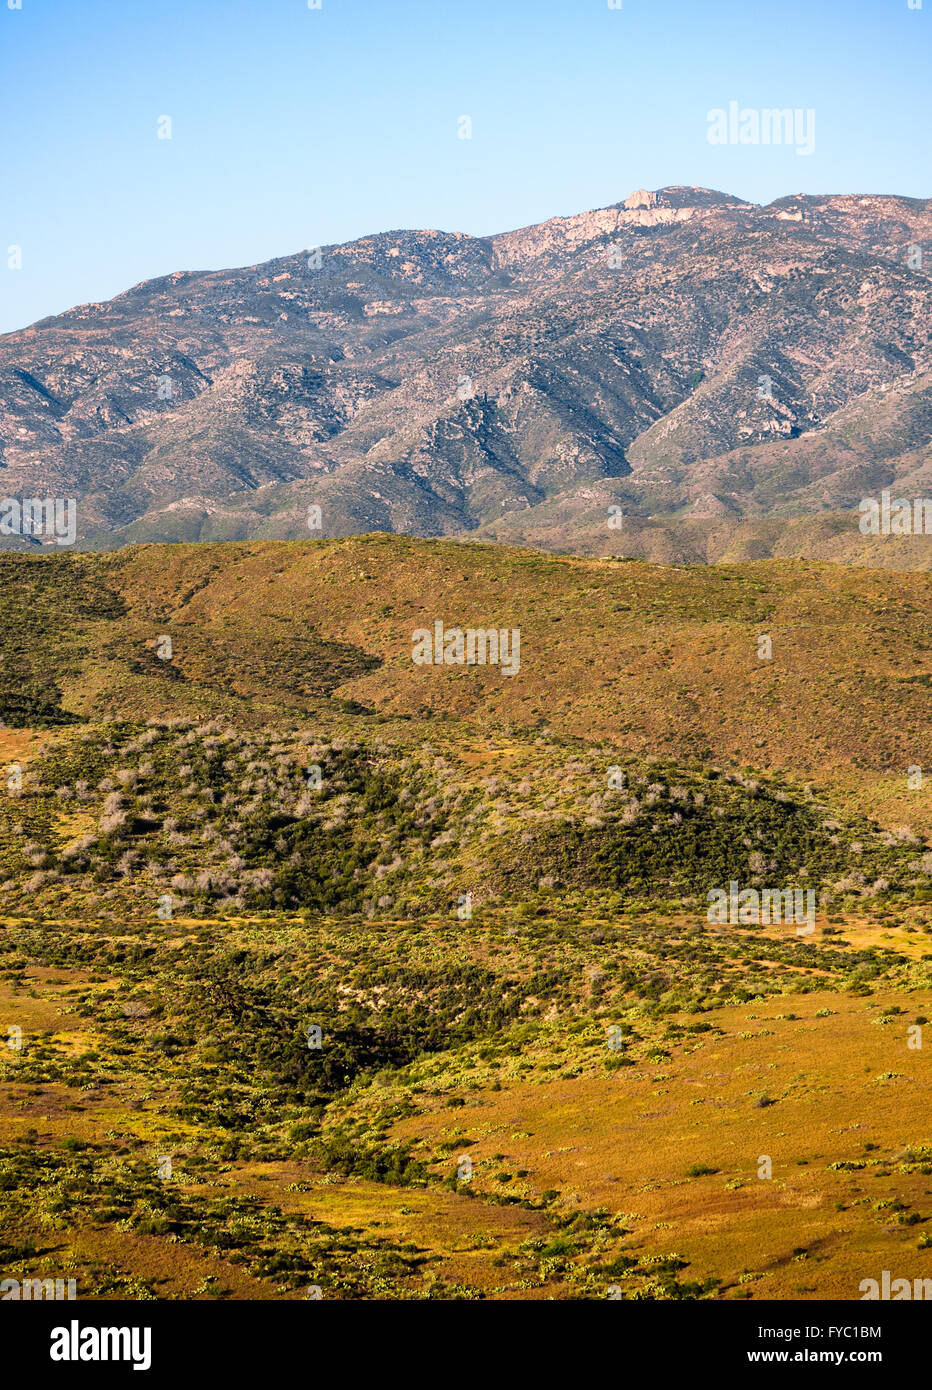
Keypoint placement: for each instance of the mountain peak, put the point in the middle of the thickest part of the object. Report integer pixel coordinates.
(682, 196)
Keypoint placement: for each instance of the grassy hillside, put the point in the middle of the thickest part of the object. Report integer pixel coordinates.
(654, 661)
(118, 817)
(321, 969)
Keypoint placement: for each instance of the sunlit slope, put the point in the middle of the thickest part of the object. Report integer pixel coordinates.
(658, 660)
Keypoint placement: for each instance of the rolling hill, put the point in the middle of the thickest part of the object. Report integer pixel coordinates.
(325, 973)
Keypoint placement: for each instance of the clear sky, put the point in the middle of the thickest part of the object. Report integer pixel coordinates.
(293, 127)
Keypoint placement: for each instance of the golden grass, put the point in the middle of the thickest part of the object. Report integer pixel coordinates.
(627, 1141)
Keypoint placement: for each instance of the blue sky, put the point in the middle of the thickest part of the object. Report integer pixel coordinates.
(294, 127)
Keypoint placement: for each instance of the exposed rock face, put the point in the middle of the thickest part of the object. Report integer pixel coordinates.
(680, 352)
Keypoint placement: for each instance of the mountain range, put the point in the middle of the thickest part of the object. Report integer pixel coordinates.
(682, 377)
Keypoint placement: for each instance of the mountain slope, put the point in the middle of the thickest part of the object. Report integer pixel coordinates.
(683, 353)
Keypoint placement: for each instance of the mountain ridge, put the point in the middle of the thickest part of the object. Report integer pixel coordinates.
(441, 384)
